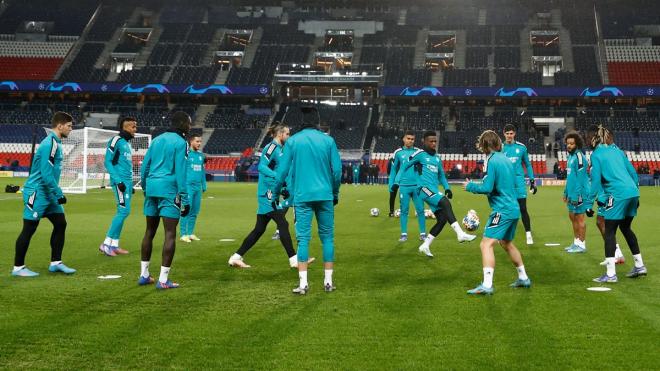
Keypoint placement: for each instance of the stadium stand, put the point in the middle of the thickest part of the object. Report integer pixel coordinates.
(467, 77)
(633, 64)
(31, 59)
(265, 62)
(69, 17)
(507, 57)
(586, 69)
(477, 57)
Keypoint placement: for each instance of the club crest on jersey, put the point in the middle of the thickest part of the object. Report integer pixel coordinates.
(517, 150)
(269, 194)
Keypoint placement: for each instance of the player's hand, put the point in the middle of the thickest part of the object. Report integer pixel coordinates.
(61, 200)
(335, 201)
(449, 194)
(121, 187)
(590, 213)
(285, 193)
(532, 186)
(565, 199)
(467, 181)
(185, 210)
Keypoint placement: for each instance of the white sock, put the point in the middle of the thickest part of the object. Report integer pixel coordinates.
(277, 231)
(303, 279)
(529, 234)
(114, 243)
(107, 241)
(457, 228)
(429, 238)
(521, 272)
(618, 253)
(164, 272)
(293, 260)
(581, 243)
(404, 234)
(488, 277)
(18, 268)
(611, 268)
(638, 260)
(328, 277)
(236, 257)
(55, 262)
(144, 269)
(576, 241)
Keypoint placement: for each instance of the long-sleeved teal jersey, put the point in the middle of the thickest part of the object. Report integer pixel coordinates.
(499, 185)
(196, 175)
(577, 178)
(428, 169)
(270, 159)
(164, 167)
(313, 159)
(612, 175)
(516, 152)
(408, 177)
(46, 167)
(119, 160)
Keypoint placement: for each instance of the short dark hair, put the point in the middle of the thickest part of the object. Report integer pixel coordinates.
(181, 121)
(579, 142)
(193, 136)
(430, 133)
(125, 119)
(409, 132)
(60, 118)
(509, 127)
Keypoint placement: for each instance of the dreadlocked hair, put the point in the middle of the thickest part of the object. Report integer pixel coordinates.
(602, 136)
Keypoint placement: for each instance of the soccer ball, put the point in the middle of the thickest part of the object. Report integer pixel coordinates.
(429, 214)
(375, 212)
(471, 221)
(397, 213)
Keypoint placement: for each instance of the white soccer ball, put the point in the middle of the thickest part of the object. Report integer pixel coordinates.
(397, 213)
(429, 214)
(471, 221)
(374, 212)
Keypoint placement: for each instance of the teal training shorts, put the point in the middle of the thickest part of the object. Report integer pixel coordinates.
(37, 205)
(499, 228)
(162, 207)
(619, 209)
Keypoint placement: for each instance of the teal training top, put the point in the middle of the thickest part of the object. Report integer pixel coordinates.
(46, 167)
(516, 152)
(119, 160)
(612, 175)
(499, 185)
(577, 178)
(313, 160)
(428, 169)
(400, 158)
(196, 175)
(164, 167)
(270, 159)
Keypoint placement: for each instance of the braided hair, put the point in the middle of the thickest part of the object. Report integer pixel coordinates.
(602, 135)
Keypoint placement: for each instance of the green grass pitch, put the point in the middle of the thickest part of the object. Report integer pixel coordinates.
(394, 309)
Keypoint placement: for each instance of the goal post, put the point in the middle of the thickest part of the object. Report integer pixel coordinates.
(83, 165)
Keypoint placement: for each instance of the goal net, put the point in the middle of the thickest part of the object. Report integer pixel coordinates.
(83, 165)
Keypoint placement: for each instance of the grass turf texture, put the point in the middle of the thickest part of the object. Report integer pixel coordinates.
(394, 309)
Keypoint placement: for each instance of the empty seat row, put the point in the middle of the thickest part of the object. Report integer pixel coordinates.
(34, 49)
